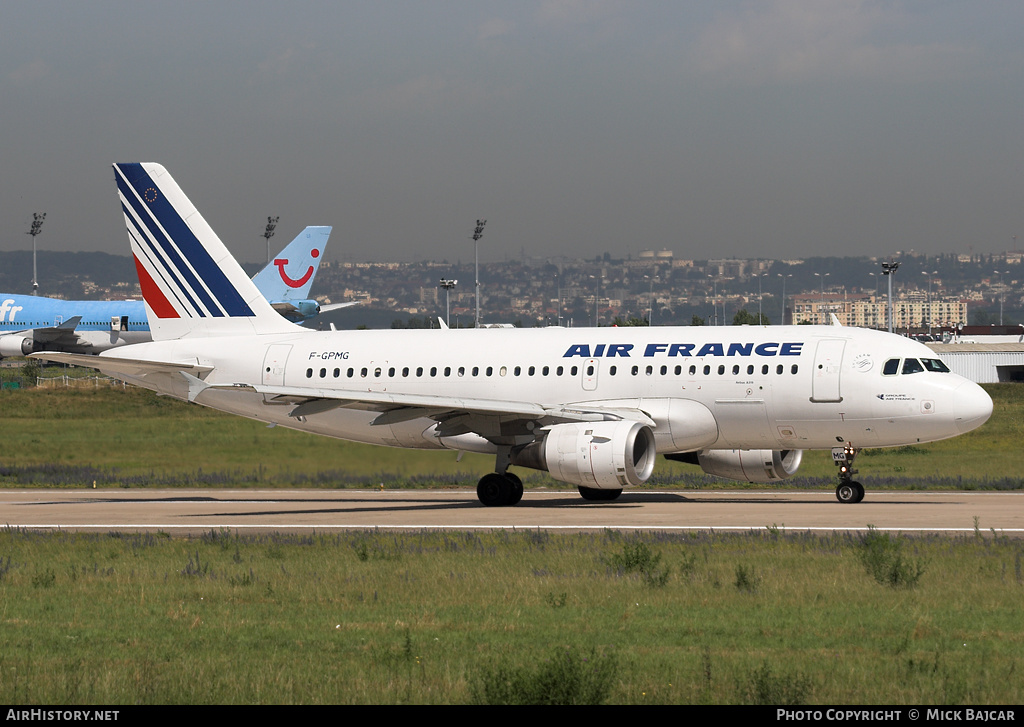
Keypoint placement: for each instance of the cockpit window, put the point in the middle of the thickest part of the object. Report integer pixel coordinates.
(934, 364)
(892, 367)
(912, 366)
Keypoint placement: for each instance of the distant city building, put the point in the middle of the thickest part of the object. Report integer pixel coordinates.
(869, 311)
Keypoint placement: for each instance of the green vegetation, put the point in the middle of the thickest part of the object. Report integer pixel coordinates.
(132, 438)
(503, 617)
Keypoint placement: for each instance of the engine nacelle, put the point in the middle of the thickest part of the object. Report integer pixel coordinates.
(600, 455)
(16, 346)
(746, 465)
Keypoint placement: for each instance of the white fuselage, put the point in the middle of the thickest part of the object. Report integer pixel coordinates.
(765, 387)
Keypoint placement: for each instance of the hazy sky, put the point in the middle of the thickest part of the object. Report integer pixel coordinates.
(778, 128)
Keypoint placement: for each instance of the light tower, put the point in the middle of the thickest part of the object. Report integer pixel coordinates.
(37, 226)
(448, 285)
(478, 232)
(888, 268)
(269, 232)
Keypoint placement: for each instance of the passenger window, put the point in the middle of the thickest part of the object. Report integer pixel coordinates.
(309, 373)
(764, 370)
(721, 369)
(517, 370)
(337, 373)
(376, 372)
(735, 369)
(476, 371)
(794, 368)
(664, 370)
(433, 370)
(490, 370)
(503, 370)
(892, 367)
(693, 370)
(611, 370)
(679, 370)
(635, 370)
(419, 371)
(351, 373)
(750, 369)
(559, 370)
(707, 369)
(912, 366)
(447, 370)
(650, 370)
(323, 373)
(574, 370)
(546, 370)
(362, 372)
(462, 370)
(778, 369)
(391, 372)
(531, 371)
(405, 371)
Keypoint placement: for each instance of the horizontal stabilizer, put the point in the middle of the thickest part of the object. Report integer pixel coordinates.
(114, 366)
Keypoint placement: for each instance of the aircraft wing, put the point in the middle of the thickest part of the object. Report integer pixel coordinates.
(395, 408)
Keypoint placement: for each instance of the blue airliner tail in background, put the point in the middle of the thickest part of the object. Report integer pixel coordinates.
(29, 323)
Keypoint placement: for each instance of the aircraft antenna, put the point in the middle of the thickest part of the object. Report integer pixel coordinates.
(37, 227)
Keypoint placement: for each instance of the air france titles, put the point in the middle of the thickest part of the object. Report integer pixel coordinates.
(685, 350)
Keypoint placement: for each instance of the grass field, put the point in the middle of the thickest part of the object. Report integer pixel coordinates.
(761, 618)
(371, 617)
(130, 437)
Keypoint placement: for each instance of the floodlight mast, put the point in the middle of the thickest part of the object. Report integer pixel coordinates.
(478, 232)
(448, 285)
(888, 268)
(269, 232)
(37, 226)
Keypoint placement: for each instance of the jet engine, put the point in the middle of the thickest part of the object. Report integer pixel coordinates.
(745, 465)
(16, 346)
(598, 455)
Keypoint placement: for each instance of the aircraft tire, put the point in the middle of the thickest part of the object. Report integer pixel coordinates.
(860, 491)
(494, 490)
(849, 493)
(598, 495)
(515, 489)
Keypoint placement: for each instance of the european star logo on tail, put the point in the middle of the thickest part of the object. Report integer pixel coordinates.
(190, 282)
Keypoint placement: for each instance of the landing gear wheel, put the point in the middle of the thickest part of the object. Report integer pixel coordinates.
(515, 488)
(494, 490)
(850, 492)
(595, 494)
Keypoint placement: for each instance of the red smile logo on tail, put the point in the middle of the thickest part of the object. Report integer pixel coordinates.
(291, 282)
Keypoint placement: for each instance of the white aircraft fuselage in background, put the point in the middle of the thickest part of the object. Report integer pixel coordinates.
(591, 406)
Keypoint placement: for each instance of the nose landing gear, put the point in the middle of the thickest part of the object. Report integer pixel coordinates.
(848, 491)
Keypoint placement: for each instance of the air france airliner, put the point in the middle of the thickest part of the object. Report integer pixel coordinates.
(29, 323)
(591, 406)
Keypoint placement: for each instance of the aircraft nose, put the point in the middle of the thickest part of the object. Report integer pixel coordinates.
(972, 406)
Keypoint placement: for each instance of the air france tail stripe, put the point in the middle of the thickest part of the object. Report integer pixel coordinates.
(196, 255)
(158, 303)
(159, 265)
(154, 237)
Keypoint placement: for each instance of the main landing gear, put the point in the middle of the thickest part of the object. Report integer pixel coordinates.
(848, 491)
(499, 489)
